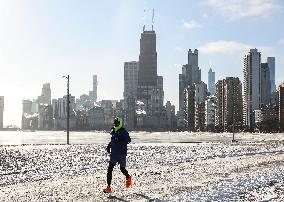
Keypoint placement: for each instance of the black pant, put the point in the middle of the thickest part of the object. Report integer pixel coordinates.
(109, 172)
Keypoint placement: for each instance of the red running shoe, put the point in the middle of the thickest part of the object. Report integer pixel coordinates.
(107, 190)
(128, 182)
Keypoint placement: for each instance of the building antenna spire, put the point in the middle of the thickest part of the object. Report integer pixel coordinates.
(153, 15)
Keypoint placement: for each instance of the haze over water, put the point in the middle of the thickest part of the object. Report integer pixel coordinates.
(98, 137)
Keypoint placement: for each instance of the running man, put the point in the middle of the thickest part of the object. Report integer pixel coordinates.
(117, 148)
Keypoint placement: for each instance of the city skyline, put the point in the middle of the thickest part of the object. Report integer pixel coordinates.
(41, 41)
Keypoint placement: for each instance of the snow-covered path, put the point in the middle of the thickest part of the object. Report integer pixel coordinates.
(161, 172)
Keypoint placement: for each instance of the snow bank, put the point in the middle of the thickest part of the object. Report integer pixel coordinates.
(215, 171)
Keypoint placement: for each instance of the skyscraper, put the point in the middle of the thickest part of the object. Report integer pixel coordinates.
(55, 109)
(211, 82)
(265, 84)
(191, 75)
(233, 103)
(170, 110)
(93, 93)
(252, 86)
(1, 111)
(189, 107)
(200, 96)
(271, 65)
(130, 79)
(185, 79)
(200, 92)
(150, 85)
(45, 97)
(199, 116)
(61, 107)
(219, 116)
(229, 104)
(130, 92)
(193, 64)
(147, 75)
(210, 107)
(27, 106)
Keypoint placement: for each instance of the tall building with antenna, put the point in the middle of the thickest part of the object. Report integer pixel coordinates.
(147, 75)
(150, 85)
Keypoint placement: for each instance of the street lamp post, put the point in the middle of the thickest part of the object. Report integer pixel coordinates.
(233, 140)
(68, 107)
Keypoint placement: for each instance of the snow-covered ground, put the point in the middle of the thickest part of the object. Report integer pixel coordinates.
(215, 170)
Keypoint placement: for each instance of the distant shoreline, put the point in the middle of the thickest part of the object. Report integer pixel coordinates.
(10, 129)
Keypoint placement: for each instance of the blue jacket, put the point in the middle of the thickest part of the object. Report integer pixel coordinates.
(119, 141)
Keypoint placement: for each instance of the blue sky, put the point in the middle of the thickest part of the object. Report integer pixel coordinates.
(42, 40)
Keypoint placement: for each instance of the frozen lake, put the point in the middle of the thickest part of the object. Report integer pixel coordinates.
(95, 137)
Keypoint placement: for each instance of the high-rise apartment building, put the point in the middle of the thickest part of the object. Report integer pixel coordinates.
(266, 119)
(211, 82)
(271, 65)
(170, 110)
(265, 84)
(210, 107)
(219, 116)
(252, 86)
(93, 93)
(229, 104)
(233, 103)
(200, 96)
(200, 92)
(1, 111)
(185, 79)
(189, 109)
(199, 117)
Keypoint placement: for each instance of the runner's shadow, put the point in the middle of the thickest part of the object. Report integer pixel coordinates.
(117, 199)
